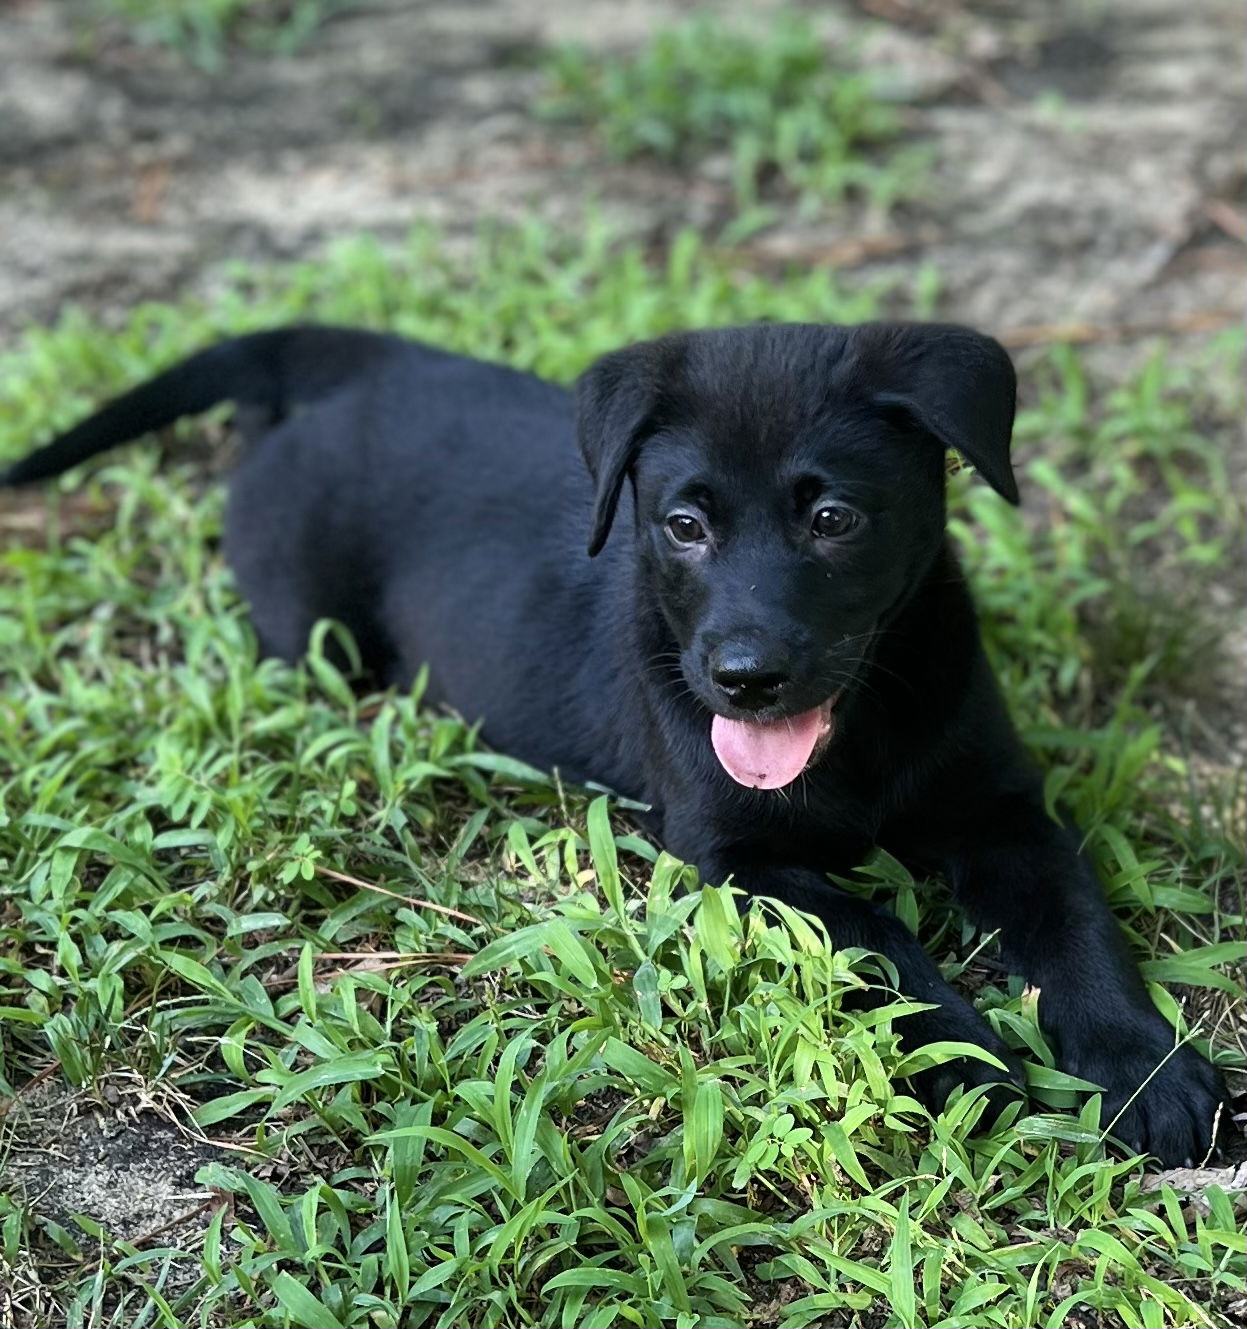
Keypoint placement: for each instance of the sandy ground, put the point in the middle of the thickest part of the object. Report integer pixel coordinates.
(1091, 163)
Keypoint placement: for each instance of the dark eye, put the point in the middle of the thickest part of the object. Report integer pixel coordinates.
(831, 522)
(685, 530)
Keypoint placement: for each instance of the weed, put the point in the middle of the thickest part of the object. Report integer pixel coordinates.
(203, 32)
(776, 101)
(1138, 520)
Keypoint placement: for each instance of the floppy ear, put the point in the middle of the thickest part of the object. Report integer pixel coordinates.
(618, 404)
(955, 384)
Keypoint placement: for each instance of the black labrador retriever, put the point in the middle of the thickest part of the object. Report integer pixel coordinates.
(776, 648)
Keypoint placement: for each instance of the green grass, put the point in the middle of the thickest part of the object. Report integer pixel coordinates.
(798, 121)
(538, 301)
(204, 32)
(488, 1064)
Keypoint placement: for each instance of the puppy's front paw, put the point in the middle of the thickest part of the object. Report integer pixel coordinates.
(1157, 1100)
(934, 1085)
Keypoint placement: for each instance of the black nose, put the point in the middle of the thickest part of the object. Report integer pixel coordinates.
(749, 677)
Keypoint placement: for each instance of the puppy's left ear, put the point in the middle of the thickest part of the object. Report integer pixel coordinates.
(955, 384)
(619, 403)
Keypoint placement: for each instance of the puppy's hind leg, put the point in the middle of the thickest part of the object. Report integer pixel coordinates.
(255, 419)
(301, 535)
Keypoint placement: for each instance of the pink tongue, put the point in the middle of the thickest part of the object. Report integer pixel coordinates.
(770, 755)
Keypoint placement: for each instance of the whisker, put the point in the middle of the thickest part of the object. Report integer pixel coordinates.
(856, 685)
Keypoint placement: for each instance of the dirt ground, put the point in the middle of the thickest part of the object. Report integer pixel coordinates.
(115, 1159)
(1091, 166)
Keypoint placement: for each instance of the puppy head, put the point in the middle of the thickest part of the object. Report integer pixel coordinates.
(789, 484)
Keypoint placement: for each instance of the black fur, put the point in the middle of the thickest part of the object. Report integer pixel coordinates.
(434, 504)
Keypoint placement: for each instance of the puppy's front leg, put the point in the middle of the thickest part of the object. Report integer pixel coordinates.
(854, 922)
(1019, 872)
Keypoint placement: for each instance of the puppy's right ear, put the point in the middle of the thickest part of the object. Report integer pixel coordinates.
(619, 403)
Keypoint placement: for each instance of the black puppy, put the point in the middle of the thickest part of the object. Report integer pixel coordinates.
(777, 649)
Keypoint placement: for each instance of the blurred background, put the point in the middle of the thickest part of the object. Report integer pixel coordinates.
(1027, 164)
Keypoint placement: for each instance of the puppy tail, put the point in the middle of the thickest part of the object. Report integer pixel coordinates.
(274, 369)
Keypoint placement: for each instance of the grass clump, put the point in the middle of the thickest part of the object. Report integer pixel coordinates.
(792, 118)
(466, 1053)
(1137, 521)
(525, 295)
(203, 32)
